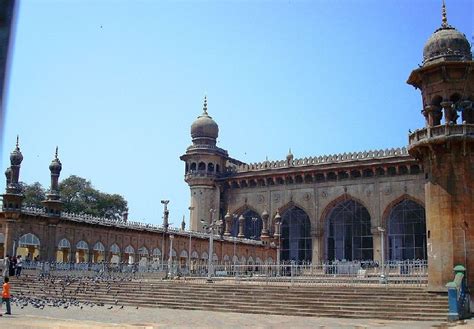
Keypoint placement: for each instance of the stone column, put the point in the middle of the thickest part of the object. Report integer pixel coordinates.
(317, 236)
(376, 240)
(264, 234)
(450, 114)
(228, 224)
(241, 227)
(277, 221)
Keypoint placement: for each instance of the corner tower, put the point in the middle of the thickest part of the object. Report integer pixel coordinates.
(445, 146)
(204, 163)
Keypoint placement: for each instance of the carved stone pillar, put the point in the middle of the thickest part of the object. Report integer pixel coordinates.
(228, 224)
(450, 114)
(277, 221)
(434, 115)
(241, 227)
(264, 233)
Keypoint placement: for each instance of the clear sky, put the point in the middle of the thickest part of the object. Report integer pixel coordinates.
(117, 84)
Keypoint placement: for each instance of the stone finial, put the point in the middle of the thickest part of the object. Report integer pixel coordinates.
(183, 224)
(444, 19)
(205, 106)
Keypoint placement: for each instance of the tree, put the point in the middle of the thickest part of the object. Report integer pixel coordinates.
(34, 194)
(79, 196)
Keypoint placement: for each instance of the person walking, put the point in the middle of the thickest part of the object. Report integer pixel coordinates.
(6, 295)
(19, 265)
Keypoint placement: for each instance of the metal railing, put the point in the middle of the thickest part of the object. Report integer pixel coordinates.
(337, 273)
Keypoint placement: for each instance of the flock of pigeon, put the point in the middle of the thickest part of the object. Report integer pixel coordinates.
(64, 292)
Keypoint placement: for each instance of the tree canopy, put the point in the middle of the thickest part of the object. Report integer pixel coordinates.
(79, 196)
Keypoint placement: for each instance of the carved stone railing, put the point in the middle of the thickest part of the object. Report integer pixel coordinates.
(134, 225)
(448, 130)
(326, 159)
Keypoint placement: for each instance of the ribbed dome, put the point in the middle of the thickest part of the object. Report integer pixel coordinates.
(16, 157)
(55, 166)
(446, 44)
(204, 126)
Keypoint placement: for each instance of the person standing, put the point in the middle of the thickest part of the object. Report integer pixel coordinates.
(6, 295)
(19, 265)
(12, 265)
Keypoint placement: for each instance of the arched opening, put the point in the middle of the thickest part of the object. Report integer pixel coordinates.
(156, 257)
(64, 251)
(183, 259)
(296, 244)
(252, 225)
(186, 168)
(193, 166)
(218, 168)
(129, 254)
(114, 254)
(202, 166)
(210, 167)
(143, 256)
(194, 261)
(407, 231)
(98, 254)
(348, 232)
(29, 247)
(82, 252)
(204, 258)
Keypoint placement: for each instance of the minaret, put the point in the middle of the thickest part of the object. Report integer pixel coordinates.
(446, 150)
(53, 204)
(13, 197)
(204, 163)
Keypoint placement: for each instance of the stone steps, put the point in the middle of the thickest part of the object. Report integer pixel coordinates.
(338, 301)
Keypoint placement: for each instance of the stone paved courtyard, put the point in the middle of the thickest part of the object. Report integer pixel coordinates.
(130, 317)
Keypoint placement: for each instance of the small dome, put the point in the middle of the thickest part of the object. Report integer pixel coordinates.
(204, 126)
(55, 166)
(16, 157)
(446, 44)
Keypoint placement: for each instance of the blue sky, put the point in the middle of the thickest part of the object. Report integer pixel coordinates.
(117, 84)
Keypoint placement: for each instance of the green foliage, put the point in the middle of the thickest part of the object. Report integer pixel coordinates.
(79, 196)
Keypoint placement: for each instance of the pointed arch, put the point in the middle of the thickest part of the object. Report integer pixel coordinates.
(295, 240)
(64, 244)
(99, 247)
(348, 231)
(388, 209)
(333, 203)
(115, 249)
(290, 205)
(252, 225)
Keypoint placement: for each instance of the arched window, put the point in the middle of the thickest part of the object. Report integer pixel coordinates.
(215, 258)
(156, 253)
(183, 254)
(64, 244)
(348, 234)
(218, 169)
(210, 167)
(252, 225)
(129, 250)
(29, 240)
(194, 255)
(114, 249)
(143, 251)
(407, 231)
(201, 166)
(295, 236)
(204, 255)
(99, 247)
(193, 166)
(82, 245)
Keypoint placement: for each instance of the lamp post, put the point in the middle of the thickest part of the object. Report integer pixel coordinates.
(165, 227)
(382, 251)
(210, 229)
(170, 259)
(191, 208)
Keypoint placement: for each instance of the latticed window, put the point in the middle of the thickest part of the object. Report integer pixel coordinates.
(407, 231)
(252, 225)
(64, 244)
(143, 251)
(114, 249)
(348, 232)
(99, 247)
(82, 245)
(129, 250)
(29, 240)
(296, 236)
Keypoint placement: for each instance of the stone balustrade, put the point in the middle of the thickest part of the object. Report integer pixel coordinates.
(326, 159)
(423, 134)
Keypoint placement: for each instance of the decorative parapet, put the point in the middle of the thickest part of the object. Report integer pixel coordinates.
(326, 159)
(134, 225)
(464, 130)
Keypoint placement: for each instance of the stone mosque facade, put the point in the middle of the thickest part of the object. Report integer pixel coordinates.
(409, 203)
(337, 207)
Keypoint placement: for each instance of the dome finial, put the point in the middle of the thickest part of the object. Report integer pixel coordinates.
(17, 141)
(205, 105)
(56, 153)
(444, 19)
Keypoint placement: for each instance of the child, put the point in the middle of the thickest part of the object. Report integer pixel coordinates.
(6, 295)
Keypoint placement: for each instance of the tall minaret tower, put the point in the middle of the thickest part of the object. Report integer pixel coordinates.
(204, 162)
(53, 204)
(13, 197)
(445, 146)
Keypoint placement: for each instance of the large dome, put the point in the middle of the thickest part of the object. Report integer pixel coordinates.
(446, 44)
(204, 126)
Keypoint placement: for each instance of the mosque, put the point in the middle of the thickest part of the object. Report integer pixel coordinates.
(414, 202)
